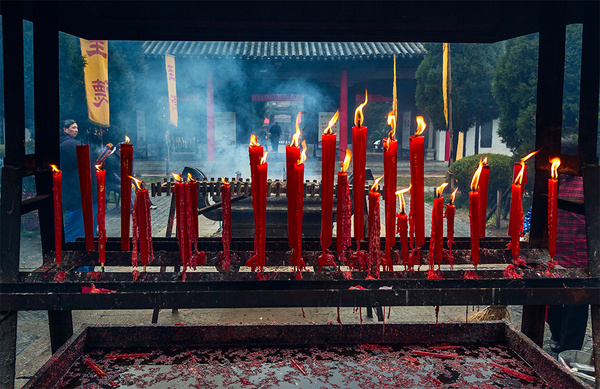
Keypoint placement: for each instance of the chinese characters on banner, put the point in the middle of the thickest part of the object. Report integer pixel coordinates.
(96, 80)
(170, 66)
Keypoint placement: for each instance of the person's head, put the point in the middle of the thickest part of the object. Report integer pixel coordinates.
(69, 126)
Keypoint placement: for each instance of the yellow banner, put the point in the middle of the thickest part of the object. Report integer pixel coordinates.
(170, 66)
(459, 146)
(445, 64)
(96, 80)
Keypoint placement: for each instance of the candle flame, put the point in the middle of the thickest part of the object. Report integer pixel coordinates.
(263, 160)
(347, 160)
(400, 194)
(138, 182)
(475, 180)
(375, 186)
(453, 196)
(302, 154)
(485, 161)
(440, 189)
(127, 139)
(391, 120)
(332, 123)
(296, 137)
(358, 114)
(254, 141)
(55, 168)
(421, 125)
(190, 178)
(529, 156)
(554, 168)
(224, 181)
(176, 176)
(519, 178)
(98, 167)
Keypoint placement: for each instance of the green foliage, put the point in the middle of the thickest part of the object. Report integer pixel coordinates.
(501, 172)
(472, 70)
(71, 83)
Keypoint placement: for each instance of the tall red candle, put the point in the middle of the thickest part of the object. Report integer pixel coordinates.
(450, 212)
(58, 222)
(299, 187)
(255, 151)
(516, 214)
(343, 209)
(417, 192)
(126, 171)
(292, 154)
(374, 258)
(85, 187)
(226, 231)
(553, 207)
(437, 218)
(390, 169)
(518, 166)
(328, 172)
(182, 212)
(262, 171)
(474, 215)
(193, 208)
(142, 226)
(101, 197)
(359, 165)
(484, 179)
(403, 226)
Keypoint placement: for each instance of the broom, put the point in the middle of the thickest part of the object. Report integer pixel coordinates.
(490, 313)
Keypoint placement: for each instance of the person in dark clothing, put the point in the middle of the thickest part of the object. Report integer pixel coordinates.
(275, 134)
(71, 197)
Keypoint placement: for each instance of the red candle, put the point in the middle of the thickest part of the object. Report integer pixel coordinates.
(437, 217)
(226, 231)
(343, 209)
(101, 196)
(474, 215)
(126, 172)
(390, 168)
(553, 206)
(484, 179)
(292, 154)
(193, 210)
(181, 212)
(450, 212)
(142, 226)
(516, 214)
(518, 166)
(359, 148)
(417, 192)
(255, 151)
(328, 170)
(58, 222)
(85, 187)
(299, 187)
(403, 226)
(374, 258)
(262, 170)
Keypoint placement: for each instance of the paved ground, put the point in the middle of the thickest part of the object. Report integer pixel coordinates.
(33, 346)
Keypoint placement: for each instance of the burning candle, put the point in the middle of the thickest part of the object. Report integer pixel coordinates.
(262, 171)
(484, 179)
(226, 232)
(359, 147)
(101, 196)
(403, 226)
(328, 170)
(390, 157)
(518, 166)
(299, 187)
(142, 226)
(437, 226)
(450, 212)
(417, 193)
(553, 206)
(58, 221)
(126, 171)
(85, 187)
(292, 154)
(255, 151)
(181, 212)
(474, 215)
(375, 230)
(516, 213)
(193, 210)
(343, 209)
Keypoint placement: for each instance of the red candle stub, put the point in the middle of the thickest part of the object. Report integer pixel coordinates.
(474, 214)
(437, 228)
(403, 227)
(553, 207)
(450, 212)
(101, 197)
(390, 162)
(142, 226)
(328, 172)
(299, 187)
(58, 222)
(374, 258)
(126, 171)
(85, 187)
(343, 209)
(359, 150)
(417, 198)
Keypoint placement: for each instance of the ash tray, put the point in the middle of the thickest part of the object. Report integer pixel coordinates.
(579, 363)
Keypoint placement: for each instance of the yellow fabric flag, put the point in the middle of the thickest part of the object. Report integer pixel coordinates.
(96, 80)
(445, 65)
(170, 66)
(459, 147)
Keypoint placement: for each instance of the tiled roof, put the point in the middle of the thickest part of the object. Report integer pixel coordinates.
(316, 51)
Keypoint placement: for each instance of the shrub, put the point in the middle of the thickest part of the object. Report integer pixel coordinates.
(501, 172)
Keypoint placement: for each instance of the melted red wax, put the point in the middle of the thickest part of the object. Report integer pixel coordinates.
(326, 259)
(358, 261)
(60, 276)
(510, 272)
(99, 372)
(443, 347)
(402, 230)
(432, 274)
(415, 258)
(449, 258)
(436, 355)
(123, 356)
(300, 368)
(347, 274)
(437, 315)
(94, 275)
(93, 289)
(135, 273)
(339, 319)
(514, 373)
(470, 275)
(357, 287)
(303, 315)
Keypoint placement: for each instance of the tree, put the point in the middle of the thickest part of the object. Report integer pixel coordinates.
(472, 70)
(515, 89)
